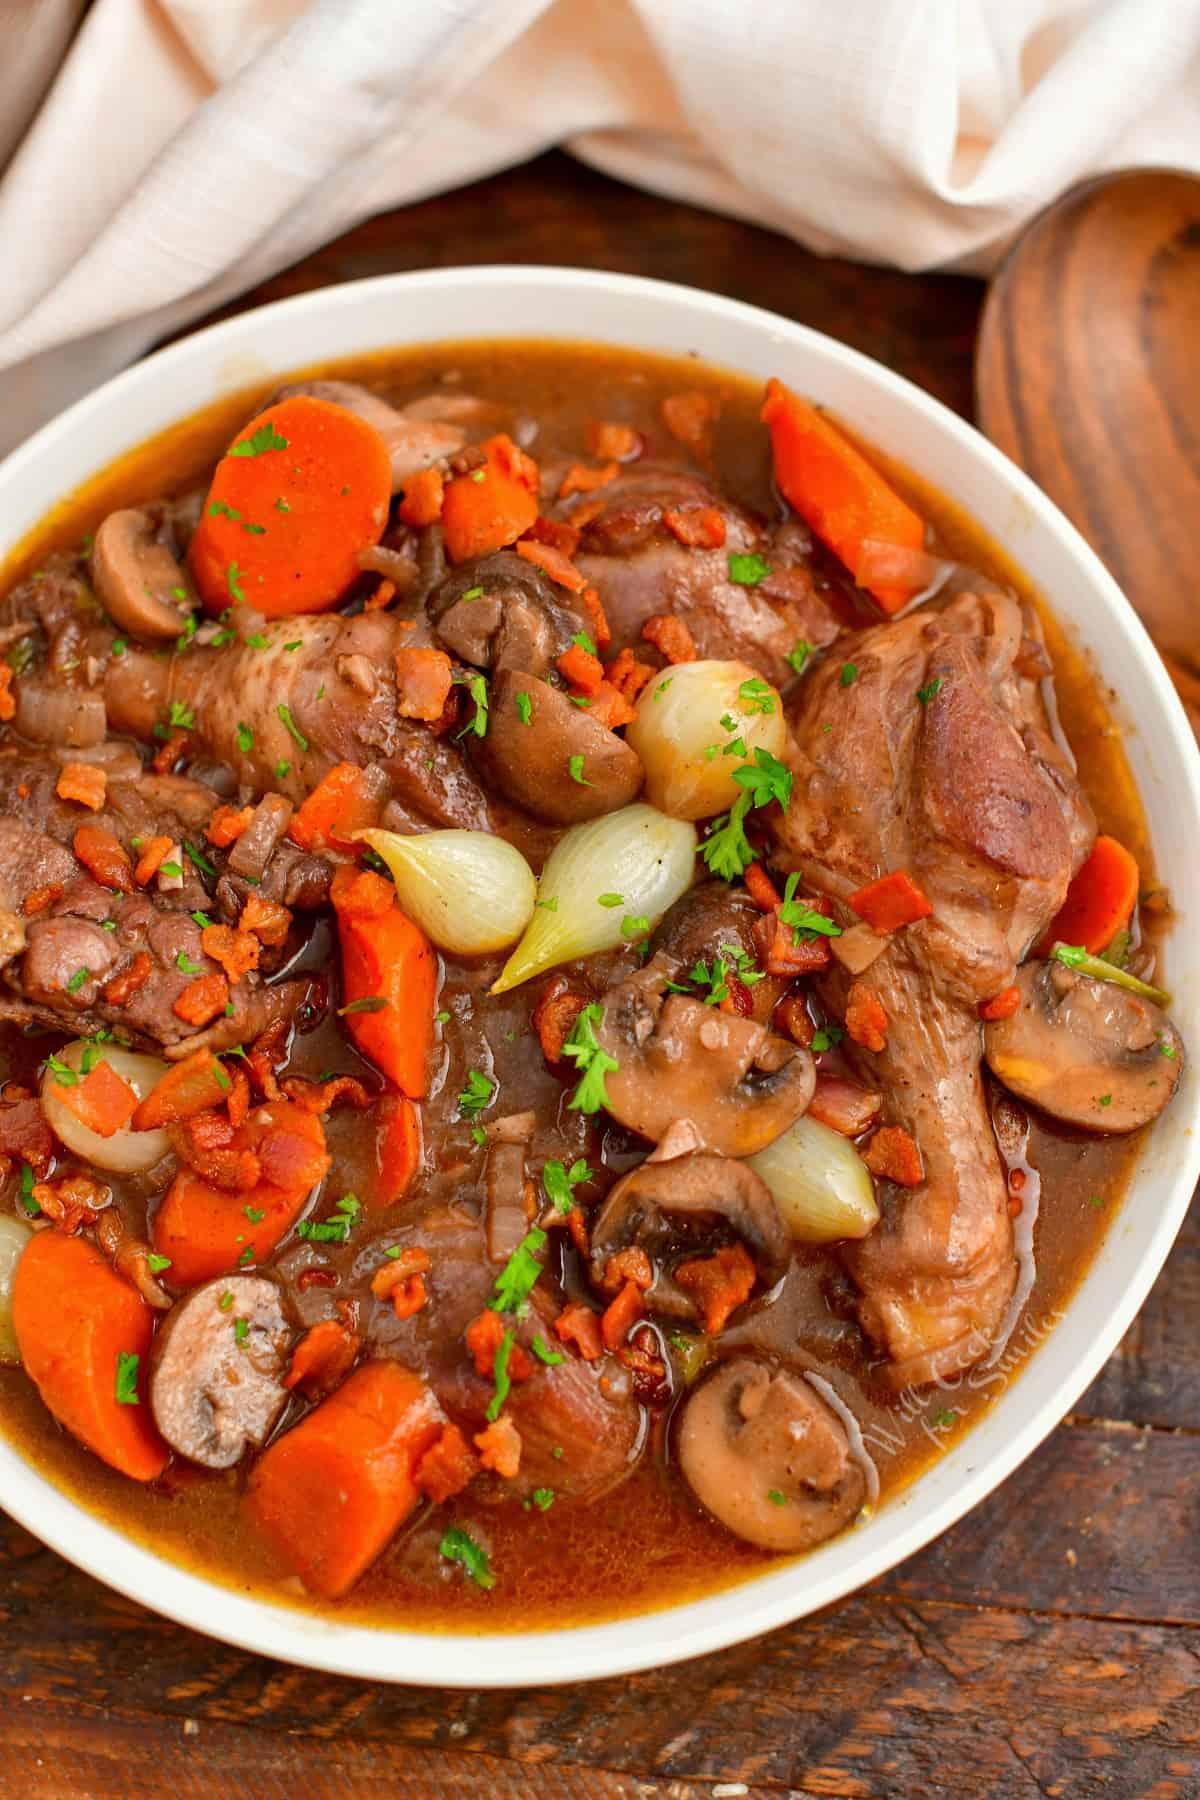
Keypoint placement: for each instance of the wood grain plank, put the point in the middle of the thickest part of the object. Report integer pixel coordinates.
(1153, 1377)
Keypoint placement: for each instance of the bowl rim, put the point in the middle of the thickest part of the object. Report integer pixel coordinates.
(470, 1658)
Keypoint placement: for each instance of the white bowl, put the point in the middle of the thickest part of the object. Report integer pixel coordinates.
(621, 310)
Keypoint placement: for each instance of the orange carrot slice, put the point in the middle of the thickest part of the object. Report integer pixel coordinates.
(493, 505)
(1099, 902)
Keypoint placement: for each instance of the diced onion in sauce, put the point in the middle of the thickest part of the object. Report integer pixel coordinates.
(696, 724)
(126, 1152)
(605, 883)
(471, 893)
(822, 1186)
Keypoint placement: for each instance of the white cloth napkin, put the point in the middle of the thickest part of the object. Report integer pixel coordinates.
(187, 149)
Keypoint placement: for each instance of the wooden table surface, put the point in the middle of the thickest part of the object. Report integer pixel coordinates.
(1047, 1645)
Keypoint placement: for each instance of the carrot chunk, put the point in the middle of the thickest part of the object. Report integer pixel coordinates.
(720, 1282)
(104, 858)
(762, 889)
(341, 804)
(329, 1494)
(8, 701)
(389, 975)
(323, 1358)
(397, 1149)
(103, 1100)
(1099, 902)
(422, 501)
(1002, 1005)
(836, 490)
(490, 506)
(303, 489)
(621, 1316)
(227, 825)
(195, 1085)
(583, 670)
(891, 902)
(84, 1337)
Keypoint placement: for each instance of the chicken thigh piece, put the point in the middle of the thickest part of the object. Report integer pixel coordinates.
(927, 746)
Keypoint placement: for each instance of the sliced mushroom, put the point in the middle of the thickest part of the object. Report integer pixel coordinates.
(768, 1457)
(549, 756)
(713, 921)
(1085, 1051)
(144, 590)
(675, 1209)
(500, 613)
(216, 1383)
(413, 443)
(505, 1183)
(676, 1058)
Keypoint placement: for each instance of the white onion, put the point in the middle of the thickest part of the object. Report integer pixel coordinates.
(680, 738)
(635, 859)
(126, 1152)
(822, 1186)
(13, 1238)
(470, 892)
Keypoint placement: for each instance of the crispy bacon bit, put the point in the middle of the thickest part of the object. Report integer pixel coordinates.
(317, 1276)
(264, 1055)
(123, 986)
(843, 1105)
(323, 1096)
(204, 1143)
(42, 897)
(8, 704)
(554, 1016)
(610, 708)
(103, 857)
(85, 782)
(23, 1128)
(697, 527)
(720, 1282)
(484, 1336)
(601, 634)
(130, 1257)
(165, 759)
(647, 1368)
(1002, 1006)
(581, 669)
(151, 857)
(202, 999)
(383, 596)
(237, 1101)
(613, 442)
(269, 921)
(630, 1264)
(423, 682)
(580, 479)
(236, 951)
(779, 954)
(792, 1018)
(402, 1281)
(447, 1467)
(323, 1358)
(556, 532)
(738, 998)
(628, 675)
(361, 892)
(621, 1315)
(579, 1325)
(422, 500)
(227, 825)
(499, 1447)
(689, 419)
(103, 1100)
(671, 637)
(866, 1020)
(762, 889)
(890, 903)
(893, 1156)
(72, 1202)
(553, 563)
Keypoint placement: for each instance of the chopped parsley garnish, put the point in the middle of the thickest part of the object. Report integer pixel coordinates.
(108, 924)
(170, 868)
(258, 640)
(807, 924)
(558, 1182)
(77, 980)
(241, 1330)
(202, 919)
(180, 716)
(610, 900)
(253, 530)
(634, 925)
(218, 509)
(255, 1214)
(543, 1498)
(1074, 956)
(848, 674)
(156, 1263)
(293, 646)
(370, 1003)
(337, 1227)
(459, 1546)
(590, 1060)
(575, 770)
(199, 859)
(931, 689)
(726, 850)
(185, 966)
(247, 1256)
(799, 654)
(284, 715)
(259, 442)
(550, 905)
(119, 646)
(500, 1377)
(765, 779)
(64, 1076)
(226, 1301)
(1104, 1100)
(730, 960)
(524, 706)
(233, 577)
(662, 687)
(282, 770)
(756, 695)
(825, 1037)
(28, 1204)
(89, 1059)
(544, 1353)
(475, 593)
(477, 1094)
(245, 737)
(128, 1362)
(476, 686)
(519, 1276)
(281, 505)
(945, 1418)
(479, 1135)
(584, 642)
(1165, 1049)
(748, 568)
(441, 1018)
(224, 636)
(776, 1497)
(189, 625)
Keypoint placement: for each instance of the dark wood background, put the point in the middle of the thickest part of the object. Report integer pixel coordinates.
(1048, 1645)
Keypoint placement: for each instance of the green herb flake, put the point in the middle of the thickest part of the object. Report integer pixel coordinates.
(226, 1301)
(198, 859)
(77, 980)
(282, 770)
(475, 593)
(64, 1075)
(1104, 1100)
(765, 779)
(799, 654)
(185, 966)
(477, 1094)
(241, 1330)
(458, 1546)
(284, 715)
(806, 922)
(255, 1214)
(590, 1060)
(610, 900)
(218, 509)
(245, 737)
(247, 1256)
(543, 1498)
(575, 770)
(747, 568)
(128, 1362)
(500, 1377)
(519, 1276)
(559, 1181)
(848, 674)
(550, 905)
(584, 642)
(233, 577)
(945, 1418)
(931, 690)
(337, 1227)
(524, 706)
(28, 1204)
(544, 1353)
(258, 640)
(757, 695)
(634, 925)
(259, 442)
(726, 850)
(369, 1003)
(441, 1018)
(776, 1497)
(1074, 956)
(825, 1037)
(156, 1263)
(181, 717)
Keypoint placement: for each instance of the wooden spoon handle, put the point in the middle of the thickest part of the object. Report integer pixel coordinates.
(1087, 374)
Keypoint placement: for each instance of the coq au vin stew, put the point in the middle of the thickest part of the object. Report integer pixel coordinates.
(577, 953)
